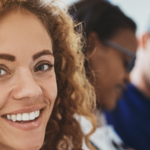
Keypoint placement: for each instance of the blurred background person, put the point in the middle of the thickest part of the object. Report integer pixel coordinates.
(110, 55)
(131, 116)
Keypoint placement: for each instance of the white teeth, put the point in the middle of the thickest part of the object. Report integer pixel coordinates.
(13, 117)
(19, 117)
(24, 116)
(8, 117)
(38, 113)
(32, 116)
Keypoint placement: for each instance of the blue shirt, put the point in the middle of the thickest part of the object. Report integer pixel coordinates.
(131, 118)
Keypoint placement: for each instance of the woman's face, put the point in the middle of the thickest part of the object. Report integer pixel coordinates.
(27, 81)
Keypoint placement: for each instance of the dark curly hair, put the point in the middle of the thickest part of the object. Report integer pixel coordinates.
(101, 17)
(75, 94)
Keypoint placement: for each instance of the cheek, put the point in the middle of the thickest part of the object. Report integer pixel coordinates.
(3, 98)
(50, 89)
(5, 93)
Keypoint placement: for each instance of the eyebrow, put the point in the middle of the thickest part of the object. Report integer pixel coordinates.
(7, 57)
(39, 54)
(35, 56)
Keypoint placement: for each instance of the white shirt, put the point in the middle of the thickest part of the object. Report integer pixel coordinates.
(103, 136)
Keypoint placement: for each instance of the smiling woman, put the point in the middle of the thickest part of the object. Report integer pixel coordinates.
(42, 80)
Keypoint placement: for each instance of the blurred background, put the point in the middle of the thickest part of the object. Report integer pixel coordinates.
(138, 10)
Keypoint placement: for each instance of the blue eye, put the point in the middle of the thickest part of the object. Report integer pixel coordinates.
(43, 67)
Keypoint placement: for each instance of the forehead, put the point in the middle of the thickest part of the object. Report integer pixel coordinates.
(127, 39)
(23, 32)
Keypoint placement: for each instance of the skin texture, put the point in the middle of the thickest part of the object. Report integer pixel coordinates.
(108, 65)
(140, 76)
(23, 35)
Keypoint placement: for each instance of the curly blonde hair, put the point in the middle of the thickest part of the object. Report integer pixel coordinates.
(75, 94)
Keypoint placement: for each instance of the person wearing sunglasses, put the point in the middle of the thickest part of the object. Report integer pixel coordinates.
(109, 57)
(131, 116)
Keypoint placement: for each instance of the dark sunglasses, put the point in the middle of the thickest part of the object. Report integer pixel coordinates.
(124, 50)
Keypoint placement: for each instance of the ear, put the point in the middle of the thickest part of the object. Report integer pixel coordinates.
(144, 40)
(92, 43)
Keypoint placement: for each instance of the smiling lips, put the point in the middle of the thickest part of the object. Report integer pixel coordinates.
(24, 117)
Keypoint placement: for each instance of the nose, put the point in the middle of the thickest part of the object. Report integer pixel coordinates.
(25, 86)
(125, 77)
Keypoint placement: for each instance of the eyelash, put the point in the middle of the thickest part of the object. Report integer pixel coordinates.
(2, 68)
(36, 68)
(42, 64)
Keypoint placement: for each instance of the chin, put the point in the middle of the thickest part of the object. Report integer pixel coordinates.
(23, 140)
(111, 107)
(32, 143)
(109, 104)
